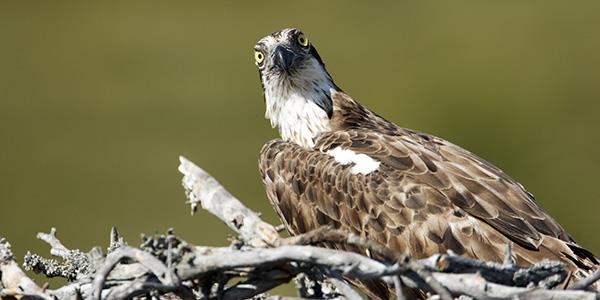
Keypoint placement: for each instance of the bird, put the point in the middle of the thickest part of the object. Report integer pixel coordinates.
(339, 164)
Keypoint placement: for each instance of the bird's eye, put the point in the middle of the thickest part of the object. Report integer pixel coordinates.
(259, 57)
(302, 40)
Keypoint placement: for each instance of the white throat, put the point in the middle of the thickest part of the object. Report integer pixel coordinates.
(297, 118)
(297, 103)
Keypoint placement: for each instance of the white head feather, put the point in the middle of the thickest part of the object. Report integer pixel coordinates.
(298, 100)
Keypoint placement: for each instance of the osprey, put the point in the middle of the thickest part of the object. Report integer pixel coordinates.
(339, 164)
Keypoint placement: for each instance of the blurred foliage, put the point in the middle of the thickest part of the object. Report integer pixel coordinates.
(98, 99)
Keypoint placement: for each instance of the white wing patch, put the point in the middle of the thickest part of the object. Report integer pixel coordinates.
(363, 164)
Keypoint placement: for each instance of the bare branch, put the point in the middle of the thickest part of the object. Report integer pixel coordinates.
(154, 265)
(58, 249)
(76, 263)
(116, 240)
(586, 282)
(202, 188)
(345, 289)
(14, 280)
(417, 270)
(165, 266)
(398, 287)
(475, 286)
(256, 285)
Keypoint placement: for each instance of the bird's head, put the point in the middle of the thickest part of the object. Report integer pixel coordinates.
(296, 85)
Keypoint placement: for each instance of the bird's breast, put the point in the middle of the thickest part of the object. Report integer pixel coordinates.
(298, 119)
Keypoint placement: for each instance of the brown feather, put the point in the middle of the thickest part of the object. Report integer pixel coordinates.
(428, 196)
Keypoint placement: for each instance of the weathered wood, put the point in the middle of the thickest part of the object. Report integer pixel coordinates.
(167, 266)
(203, 189)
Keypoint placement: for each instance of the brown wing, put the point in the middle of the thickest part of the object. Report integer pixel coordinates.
(465, 180)
(427, 196)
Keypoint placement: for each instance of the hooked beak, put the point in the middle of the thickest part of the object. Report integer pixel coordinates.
(284, 58)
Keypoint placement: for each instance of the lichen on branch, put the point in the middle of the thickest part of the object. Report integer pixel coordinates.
(258, 260)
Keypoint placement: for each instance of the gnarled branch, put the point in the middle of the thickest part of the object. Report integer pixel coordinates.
(167, 266)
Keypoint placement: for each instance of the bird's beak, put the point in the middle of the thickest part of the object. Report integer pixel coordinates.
(284, 58)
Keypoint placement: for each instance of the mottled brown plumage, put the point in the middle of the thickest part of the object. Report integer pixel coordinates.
(428, 196)
(416, 194)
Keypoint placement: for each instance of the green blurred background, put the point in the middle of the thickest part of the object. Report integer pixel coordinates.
(97, 100)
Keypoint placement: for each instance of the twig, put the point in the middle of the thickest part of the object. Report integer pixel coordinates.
(326, 234)
(210, 260)
(75, 264)
(345, 289)
(256, 285)
(586, 282)
(146, 259)
(497, 273)
(347, 263)
(14, 280)
(398, 288)
(116, 240)
(509, 260)
(166, 266)
(202, 188)
(477, 287)
(57, 248)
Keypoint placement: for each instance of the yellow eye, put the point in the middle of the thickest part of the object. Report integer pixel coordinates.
(259, 57)
(302, 40)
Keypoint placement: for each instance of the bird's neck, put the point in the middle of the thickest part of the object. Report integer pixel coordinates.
(300, 112)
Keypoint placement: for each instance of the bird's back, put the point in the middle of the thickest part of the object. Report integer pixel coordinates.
(425, 196)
